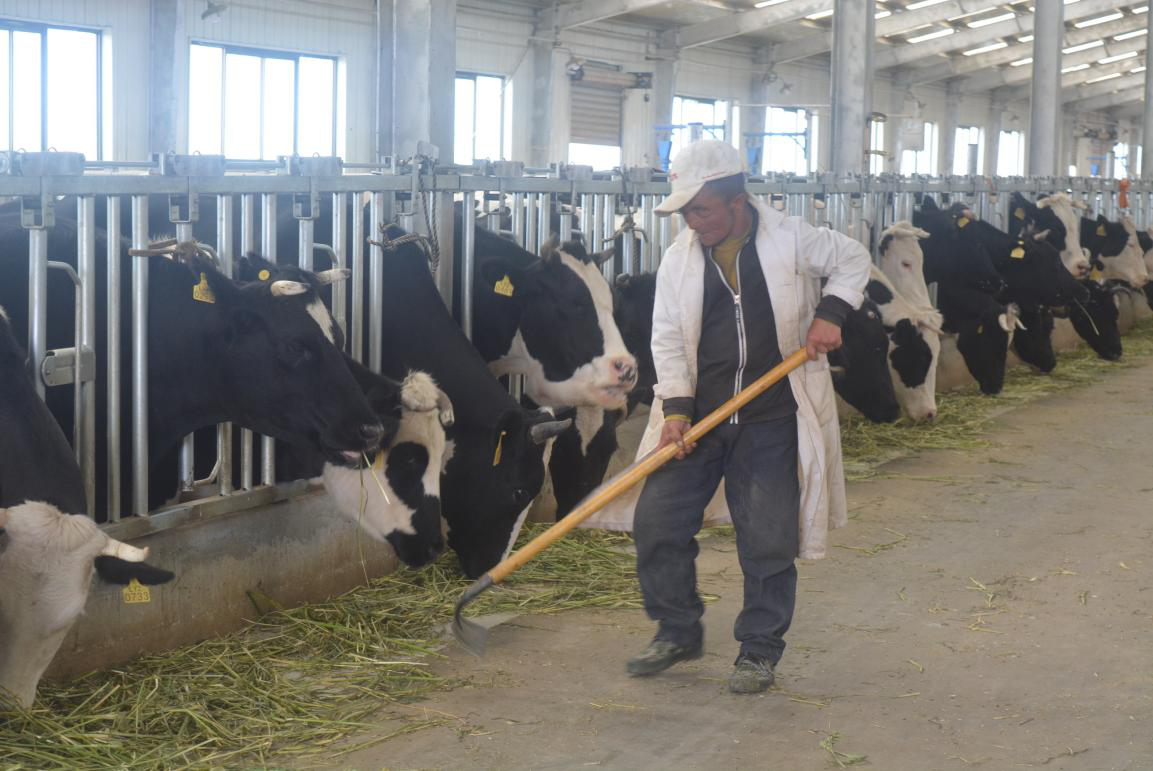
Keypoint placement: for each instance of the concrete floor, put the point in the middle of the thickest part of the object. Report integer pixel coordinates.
(990, 610)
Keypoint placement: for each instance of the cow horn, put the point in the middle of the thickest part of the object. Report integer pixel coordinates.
(333, 275)
(542, 432)
(123, 551)
(287, 288)
(444, 406)
(1003, 320)
(1041, 236)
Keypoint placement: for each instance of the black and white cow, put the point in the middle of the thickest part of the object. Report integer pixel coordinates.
(947, 260)
(1127, 263)
(860, 367)
(914, 345)
(984, 330)
(47, 556)
(1096, 319)
(1059, 217)
(1033, 339)
(581, 455)
(634, 296)
(549, 318)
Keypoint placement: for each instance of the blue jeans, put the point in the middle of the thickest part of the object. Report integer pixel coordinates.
(758, 462)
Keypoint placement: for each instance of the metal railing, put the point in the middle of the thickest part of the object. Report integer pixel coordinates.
(524, 204)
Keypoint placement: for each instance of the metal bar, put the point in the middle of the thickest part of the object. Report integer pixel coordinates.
(518, 224)
(1045, 103)
(226, 253)
(468, 260)
(531, 239)
(608, 216)
(85, 382)
(140, 358)
(37, 304)
(247, 246)
(357, 278)
(268, 247)
(188, 445)
(544, 222)
(376, 289)
(113, 361)
(340, 247)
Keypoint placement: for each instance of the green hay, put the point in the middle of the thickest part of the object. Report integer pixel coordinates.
(298, 682)
(964, 417)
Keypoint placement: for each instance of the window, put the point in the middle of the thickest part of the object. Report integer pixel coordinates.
(600, 157)
(966, 138)
(876, 147)
(787, 141)
(923, 161)
(1011, 154)
(245, 103)
(1125, 162)
(712, 114)
(481, 120)
(50, 89)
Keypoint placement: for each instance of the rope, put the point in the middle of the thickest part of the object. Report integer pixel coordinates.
(392, 244)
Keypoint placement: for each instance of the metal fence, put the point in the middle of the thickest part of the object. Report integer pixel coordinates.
(526, 205)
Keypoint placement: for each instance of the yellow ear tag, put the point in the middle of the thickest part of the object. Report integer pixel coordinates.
(1020, 213)
(1097, 276)
(1101, 230)
(264, 275)
(136, 593)
(499, 445)
(962, 222)
(202, 292)
(1017, 254)
(503, 287)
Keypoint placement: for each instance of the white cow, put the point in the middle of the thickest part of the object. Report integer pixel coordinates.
(1074, 256)
(46, 565)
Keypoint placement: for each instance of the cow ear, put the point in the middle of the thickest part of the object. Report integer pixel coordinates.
(928, 204)
(600, 258)
(1041, 236)
(212, 286)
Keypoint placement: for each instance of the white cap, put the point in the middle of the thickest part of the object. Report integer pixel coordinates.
(700, 162)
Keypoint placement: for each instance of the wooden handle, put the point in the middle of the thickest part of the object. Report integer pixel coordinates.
(632, 475)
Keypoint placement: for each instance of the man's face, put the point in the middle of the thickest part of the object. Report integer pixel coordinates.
(711, 217)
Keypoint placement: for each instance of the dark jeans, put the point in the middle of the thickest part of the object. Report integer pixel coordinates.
(758, 462)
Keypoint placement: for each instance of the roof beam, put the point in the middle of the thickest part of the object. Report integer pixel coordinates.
(1015, 76)
(1090, 90)
(1071, 81)
(575, 14)
(750, 21)
(1105, 101)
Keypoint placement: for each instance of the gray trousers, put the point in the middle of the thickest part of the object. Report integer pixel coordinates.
(758, 462)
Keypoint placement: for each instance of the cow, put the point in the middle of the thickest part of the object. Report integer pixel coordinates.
(1119, 254)
(47, 556)
(251, 353)
(949, 261)
(860, 368)
(549, 318)
(1033, 338)
(984, 330)
(1146, 242)
(633, 298)
(1058, 216)
(494, 456)
(1096, 320)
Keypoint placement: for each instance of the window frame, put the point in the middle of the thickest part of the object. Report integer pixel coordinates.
(271, 53)
(42, 28)
(504, 84)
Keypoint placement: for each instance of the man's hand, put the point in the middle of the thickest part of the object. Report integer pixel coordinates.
(673, 432)
(824, 336)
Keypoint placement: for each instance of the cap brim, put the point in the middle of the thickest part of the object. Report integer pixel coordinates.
(678, 200)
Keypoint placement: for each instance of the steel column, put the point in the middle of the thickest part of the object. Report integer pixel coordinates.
(85, 382)
(268, 247)
(376, 288)
(1147, 122)
(1045, 103)
(247, 246)
(852, 74)
(140, 358)
(226, 252)
(357, 278)
(112, 358)
(468, 260)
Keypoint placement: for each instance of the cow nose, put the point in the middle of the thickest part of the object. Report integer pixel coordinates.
(931, 415)
(371, 433)
(626, 369)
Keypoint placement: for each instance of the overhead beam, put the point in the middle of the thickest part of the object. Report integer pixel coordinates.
(1105, 101)
(1073, 84)
(1017, 76)
(1089, 90)
(575, 14)
(755, 20)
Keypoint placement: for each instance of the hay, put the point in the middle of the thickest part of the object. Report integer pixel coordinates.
(963, 417)
(298, 682)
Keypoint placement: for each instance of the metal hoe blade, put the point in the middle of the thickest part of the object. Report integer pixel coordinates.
(470, 634)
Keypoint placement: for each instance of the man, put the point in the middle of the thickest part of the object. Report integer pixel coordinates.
(737, 290)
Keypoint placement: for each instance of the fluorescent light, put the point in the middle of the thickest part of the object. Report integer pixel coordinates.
(767, 3)
(882, 14)
(991, 20)
(820, 15)
(1142, 9)
(1021, 62)
(1098, 20)
(1104, 77)
(1025, 39)
(1074, 68)
(1083, 47)
(1135, 70)
(1131, 35)
(932, 35)
(922, 4)
(1117, 58)
(985, 49)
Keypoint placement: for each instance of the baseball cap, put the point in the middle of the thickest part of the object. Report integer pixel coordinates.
(700, 162)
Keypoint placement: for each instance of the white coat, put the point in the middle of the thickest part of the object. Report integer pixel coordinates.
(794, 256)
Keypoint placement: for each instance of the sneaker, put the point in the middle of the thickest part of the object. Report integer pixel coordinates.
(660, 655)
(752, 674)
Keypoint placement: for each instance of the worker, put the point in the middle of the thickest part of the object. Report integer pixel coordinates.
(736, 289)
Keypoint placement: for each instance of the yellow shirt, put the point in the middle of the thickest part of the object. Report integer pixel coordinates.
(725, 256)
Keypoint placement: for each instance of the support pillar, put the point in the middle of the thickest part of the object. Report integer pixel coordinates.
(168, 57)
(664, 89)
(1146, 144)
(752, 139)
(947, 149)
(993, 136)
(1045, 103)
(852, 75)
(551, 105)
(423, 75)
(382, 145)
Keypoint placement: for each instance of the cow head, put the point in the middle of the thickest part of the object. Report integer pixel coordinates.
(859, 367)
(903, 261)
(984, 343)
(950, 260)
(491, 478)
(1068, 212)
(914, 345)
(1096, 320)
(566, 344)
(633, 300)
(46, 566)
(396, 500)
(1035, 273)
(1033, 340)
(1129, 264)
(283, 369)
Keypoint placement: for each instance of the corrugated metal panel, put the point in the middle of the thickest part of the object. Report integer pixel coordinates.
(596, 114)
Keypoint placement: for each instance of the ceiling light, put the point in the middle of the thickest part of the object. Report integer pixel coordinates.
(1098, 20)
(1131, 35)
(1117, 58)
(820, 15)
(1021, 62)
(1025, 39)
(932, 35)
(1074, 68)
(1083, 47)
(922, 4)
(767, 3)
(882, 14)
(1104, 77)
(1135, 70)
(991, 20)
(985, 49)
(1142, 9)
